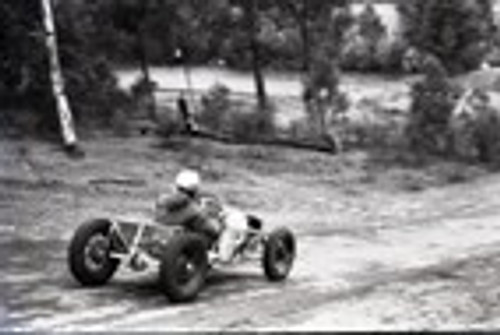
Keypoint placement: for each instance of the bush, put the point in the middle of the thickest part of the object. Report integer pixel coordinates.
(142, 87)
(253, 125)
(240, 120)
(93, 92)
(301, 130)
(216, 106)
(482, 129)
(142, 92)
(323, 98)
(462, 136)
(433, 100)
(487, 137)
(472, 134)
(384, 134)
(169, 122)
(390, 55)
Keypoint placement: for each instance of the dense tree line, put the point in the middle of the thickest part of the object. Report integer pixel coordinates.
(25, 80)
(213, 30)
(307, 35)
(458, 33)
(94, 36)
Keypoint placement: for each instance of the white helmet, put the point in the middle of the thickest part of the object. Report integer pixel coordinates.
(188, 180)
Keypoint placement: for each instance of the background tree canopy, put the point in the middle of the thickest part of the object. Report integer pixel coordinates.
(96, 36)
(459, 33)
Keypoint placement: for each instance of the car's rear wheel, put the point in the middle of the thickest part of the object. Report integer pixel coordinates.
(279, 254)
(89, 254)
(184, 267)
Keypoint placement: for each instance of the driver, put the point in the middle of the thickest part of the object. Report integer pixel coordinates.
(204, 213)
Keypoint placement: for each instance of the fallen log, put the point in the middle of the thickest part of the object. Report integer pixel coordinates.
(281, 141)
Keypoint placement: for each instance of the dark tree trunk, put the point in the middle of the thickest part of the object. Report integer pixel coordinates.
(142, 53)
(304, 31)
(256, 56)
(143, 58)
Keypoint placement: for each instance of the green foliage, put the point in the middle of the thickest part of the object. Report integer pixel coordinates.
(457, 32)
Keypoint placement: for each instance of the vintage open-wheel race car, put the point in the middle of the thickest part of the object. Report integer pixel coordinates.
(183, 257)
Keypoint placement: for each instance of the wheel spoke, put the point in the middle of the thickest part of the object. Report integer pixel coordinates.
(96, 252)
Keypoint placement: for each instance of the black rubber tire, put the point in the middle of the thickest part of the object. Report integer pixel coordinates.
(186, 249)
(279, 254)
(77, 254)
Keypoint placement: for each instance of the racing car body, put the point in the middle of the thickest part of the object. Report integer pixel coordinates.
(183, 257)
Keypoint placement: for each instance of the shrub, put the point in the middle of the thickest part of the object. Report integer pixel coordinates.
(385, 134)
(390, 55)
(473, 133)
(169, 122)
(215, 108)
(323, 98)
(433, 100)
(253, 125)
(142, 92)
(462, 136)
(301, 130)
(238, 119)
(485, 129)
(93, 92)
(142, 87)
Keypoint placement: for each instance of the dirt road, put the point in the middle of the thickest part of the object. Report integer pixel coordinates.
(374, 253)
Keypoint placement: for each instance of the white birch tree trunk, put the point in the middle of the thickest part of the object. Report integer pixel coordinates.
(62, 104)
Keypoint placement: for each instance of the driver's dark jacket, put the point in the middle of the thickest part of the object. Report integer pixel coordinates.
(199, 213)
